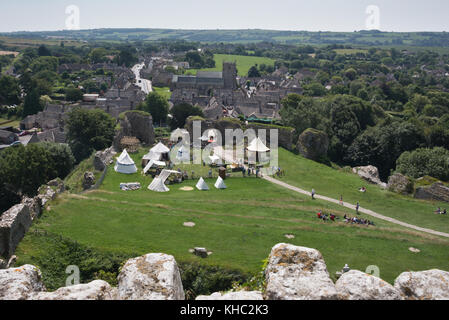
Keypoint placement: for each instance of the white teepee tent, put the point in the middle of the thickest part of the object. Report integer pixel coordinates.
(125, 164)
(158, 183)
(202, 185)
(220, 183)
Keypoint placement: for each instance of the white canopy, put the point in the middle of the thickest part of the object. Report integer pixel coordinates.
(153, 163)
(210, 133)
(202, 185)
(158, 183)
(214, 158)
(125, 164)
(220, 183)
(179, 133)
(257, 146)
(160, 148)
(152, 156)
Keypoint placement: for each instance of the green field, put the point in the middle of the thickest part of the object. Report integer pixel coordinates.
(163, 91)
(239, 225)
(9, 122)
(308, 174)
(244, 63)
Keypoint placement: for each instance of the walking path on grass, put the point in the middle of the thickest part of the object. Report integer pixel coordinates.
(352, 207)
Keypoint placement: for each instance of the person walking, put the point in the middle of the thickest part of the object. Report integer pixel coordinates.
(357, 207)
(341, 199)
(313, 194)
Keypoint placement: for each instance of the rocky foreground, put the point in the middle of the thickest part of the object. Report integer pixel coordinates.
(293, 273)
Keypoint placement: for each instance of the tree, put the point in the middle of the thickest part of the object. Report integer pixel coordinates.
(382, 145)
(43, 51)
(24, 169)
(157, 106)
(97, 55)
(253, 72)
(180, 114)
(32, 104)
(421, 162)
(73, 94)
(9, 90)
(44, 63)
(89, 130)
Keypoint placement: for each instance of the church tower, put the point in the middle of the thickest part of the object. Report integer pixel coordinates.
(230, 75)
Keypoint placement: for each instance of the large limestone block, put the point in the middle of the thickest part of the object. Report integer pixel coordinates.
(95, 290)
(298, 273)
(154, 276)
(357, 285)
(424, 285)
(20, 283)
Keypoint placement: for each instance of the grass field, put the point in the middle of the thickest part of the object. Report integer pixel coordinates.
(239, 225)
(244, 63)
(326, 181)
(9, 122)
(164, 91)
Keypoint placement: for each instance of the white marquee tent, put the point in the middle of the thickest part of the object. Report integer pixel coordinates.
(220, 183)
(158, 183)
(179, 133)
(153, 163)
(257, 146)
(160, 148)
(125, 164)
(202, 185)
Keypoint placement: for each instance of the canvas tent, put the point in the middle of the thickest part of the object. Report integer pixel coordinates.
(153, 163)
(158, 183)
(156, 153)
(179, 133)
(214, 159)
(160, 148)
(202, 185)
(255, 150)
(210, 135)
(125, 164)
(257, 146)
(220, 183)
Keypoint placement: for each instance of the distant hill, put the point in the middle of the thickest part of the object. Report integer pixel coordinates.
(374, 37)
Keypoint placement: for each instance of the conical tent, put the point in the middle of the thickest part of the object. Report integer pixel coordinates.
(158, 183)
(220, 183)
(160, 148)
(125, 164)
(257, 146)
(202, 185)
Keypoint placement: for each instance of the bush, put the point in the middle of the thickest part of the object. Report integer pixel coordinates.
(421, 162)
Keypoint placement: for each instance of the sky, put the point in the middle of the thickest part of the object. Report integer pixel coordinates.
(310, 15)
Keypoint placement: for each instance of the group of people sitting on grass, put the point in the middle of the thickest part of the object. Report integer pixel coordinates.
(325, 217)
(439, 211)
(355, 220)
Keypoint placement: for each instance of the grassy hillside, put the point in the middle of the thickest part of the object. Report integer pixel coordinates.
(308, 174)
(244, 63)
(239, 225)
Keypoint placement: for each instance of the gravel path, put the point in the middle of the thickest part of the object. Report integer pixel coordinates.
(350, 206)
